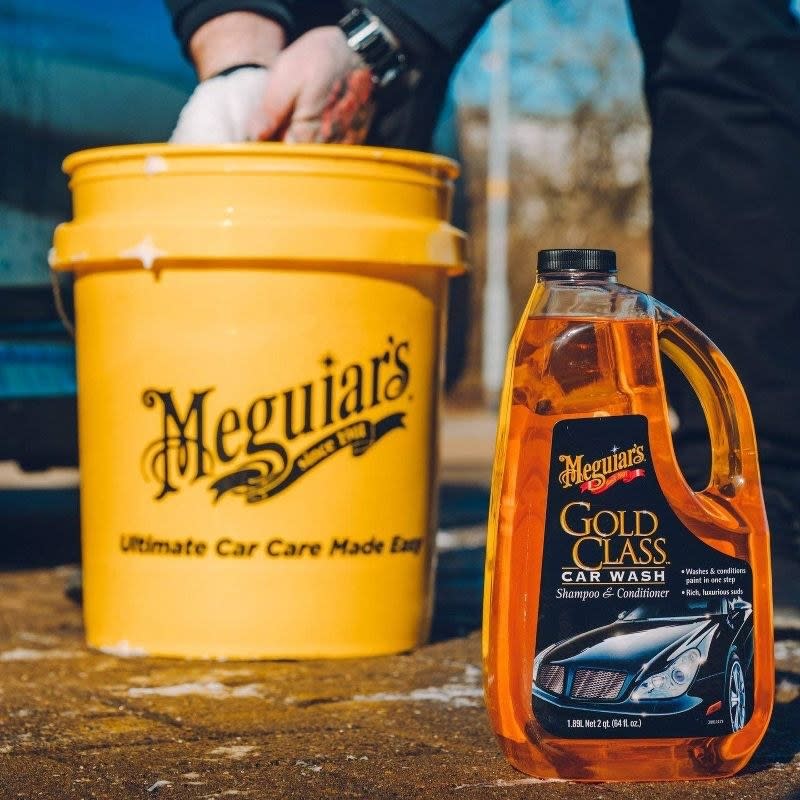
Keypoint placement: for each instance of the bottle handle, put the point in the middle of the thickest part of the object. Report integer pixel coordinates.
(734, 462)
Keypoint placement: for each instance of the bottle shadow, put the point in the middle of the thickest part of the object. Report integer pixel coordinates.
(781, 743)
(40, 527)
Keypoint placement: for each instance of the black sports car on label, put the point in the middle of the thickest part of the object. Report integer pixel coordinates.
(658, 669)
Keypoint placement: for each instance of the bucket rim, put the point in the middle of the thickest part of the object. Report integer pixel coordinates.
(446, 167)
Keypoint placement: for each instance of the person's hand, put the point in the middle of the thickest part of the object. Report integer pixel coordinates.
(220, 109)
(319, 91)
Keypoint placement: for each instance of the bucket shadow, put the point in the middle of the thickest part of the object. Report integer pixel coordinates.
(459, 574)
(781, 743)
(40, 527)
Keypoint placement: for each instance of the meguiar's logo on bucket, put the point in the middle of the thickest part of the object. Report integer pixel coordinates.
(246, 451)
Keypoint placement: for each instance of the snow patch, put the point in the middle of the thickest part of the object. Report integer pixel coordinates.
(27, 654)
(213, 689)
(787, 649)
(234, 751)
(501, 783)
(460, 694)
(123, 649)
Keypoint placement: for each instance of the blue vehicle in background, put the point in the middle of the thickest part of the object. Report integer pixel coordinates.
(86, 73)
(73, 74)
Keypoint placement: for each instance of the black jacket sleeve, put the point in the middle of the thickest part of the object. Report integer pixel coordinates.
(431, 30)
(189, 15)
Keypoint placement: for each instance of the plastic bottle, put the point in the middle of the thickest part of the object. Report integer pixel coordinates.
(628, 618)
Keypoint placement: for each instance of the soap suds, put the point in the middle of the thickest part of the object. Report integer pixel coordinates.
(145, 252)
(154, 164)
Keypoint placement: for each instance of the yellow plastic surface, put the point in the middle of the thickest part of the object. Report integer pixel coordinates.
(162, 203)
(257, 435)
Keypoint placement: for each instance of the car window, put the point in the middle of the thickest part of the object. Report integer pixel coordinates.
(689, 608)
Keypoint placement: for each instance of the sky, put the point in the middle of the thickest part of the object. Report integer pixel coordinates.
(562, 51)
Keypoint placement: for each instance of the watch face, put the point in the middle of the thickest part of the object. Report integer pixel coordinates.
(375, 44)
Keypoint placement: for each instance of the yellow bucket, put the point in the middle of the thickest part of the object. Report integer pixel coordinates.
(259, 340)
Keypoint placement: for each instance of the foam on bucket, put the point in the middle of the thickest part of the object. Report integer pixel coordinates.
(259, 336)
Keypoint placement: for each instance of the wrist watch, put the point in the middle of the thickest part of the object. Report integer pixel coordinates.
(377, 46)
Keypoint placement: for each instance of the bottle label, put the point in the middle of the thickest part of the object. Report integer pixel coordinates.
(644, 631)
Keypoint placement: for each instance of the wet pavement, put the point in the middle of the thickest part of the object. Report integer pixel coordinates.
(79, 724)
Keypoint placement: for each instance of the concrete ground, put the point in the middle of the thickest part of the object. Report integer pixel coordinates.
(78, 724)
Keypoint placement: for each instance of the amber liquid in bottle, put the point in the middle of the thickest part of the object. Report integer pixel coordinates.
(565, 366)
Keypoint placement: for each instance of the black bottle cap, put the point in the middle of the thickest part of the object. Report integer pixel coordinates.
(574, 260)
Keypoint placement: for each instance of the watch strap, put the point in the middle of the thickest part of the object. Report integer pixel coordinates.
(376, 45)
